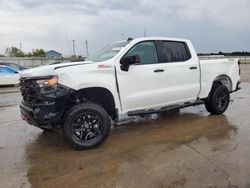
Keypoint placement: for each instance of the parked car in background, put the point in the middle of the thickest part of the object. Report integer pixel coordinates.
(8, 76)
(15, 66)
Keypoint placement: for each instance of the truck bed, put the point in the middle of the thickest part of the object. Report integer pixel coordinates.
(210, 69)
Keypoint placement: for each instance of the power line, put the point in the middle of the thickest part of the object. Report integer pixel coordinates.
(68, 44)
(87, 48)
(74, 52)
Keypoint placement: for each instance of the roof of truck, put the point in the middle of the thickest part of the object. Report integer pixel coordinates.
(155, 38)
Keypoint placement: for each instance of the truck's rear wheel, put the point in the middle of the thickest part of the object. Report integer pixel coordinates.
(218, 100)
(86, 125)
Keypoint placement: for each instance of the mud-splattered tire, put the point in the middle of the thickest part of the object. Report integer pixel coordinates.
(86, 125)
(218, 100)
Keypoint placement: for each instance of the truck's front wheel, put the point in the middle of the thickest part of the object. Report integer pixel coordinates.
(218, 100)
(86, 125)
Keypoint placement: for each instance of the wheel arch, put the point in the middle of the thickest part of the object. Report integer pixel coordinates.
(225, 80)
(99, 95)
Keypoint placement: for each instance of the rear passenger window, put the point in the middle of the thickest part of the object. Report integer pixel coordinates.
(174, 51)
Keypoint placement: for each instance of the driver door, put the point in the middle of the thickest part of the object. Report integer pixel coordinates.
(143, 85)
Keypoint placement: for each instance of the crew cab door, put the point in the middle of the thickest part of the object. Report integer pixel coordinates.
(143, 85)
(182, 71)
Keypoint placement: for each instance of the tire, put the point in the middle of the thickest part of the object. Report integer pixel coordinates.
(86, 125)
(218, 100)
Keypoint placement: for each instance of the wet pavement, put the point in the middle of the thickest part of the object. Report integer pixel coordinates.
(9, 89)
(245, 72)
(189, 149)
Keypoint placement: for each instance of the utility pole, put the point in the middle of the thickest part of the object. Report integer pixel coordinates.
(74, 52)
(122, 36)
(20, 46)
(144, 33)
(87, 48)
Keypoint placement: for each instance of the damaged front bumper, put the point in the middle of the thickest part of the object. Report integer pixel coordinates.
(41, 115)
(41, 107)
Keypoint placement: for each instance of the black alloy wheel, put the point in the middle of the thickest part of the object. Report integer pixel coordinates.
(218, 100)
(222, 100)
(86, 125)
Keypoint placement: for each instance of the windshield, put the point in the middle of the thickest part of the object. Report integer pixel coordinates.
(107, 52)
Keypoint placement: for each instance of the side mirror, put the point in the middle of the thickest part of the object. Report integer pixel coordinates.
(129, 60)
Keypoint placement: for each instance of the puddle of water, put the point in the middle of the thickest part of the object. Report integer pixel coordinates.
(189, 148)
(53, 162)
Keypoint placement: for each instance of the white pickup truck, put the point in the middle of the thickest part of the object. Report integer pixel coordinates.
(134, 77)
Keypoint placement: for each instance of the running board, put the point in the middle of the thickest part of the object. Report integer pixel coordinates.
(164, 109)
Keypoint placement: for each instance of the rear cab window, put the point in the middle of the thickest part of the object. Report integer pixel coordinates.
(173, 51)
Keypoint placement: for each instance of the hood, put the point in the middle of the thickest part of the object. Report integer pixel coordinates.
(46, 70)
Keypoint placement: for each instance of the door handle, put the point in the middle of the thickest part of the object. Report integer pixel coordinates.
(192, 68)
(159, 70)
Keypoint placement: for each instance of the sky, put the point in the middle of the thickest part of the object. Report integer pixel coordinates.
(212, 25)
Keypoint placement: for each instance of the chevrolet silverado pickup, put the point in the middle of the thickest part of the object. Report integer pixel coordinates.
(127, 78)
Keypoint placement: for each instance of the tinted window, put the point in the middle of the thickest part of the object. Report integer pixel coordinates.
(146, 51)
(172, 51)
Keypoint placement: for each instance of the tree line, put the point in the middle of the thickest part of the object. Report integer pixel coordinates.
(237, 53)
(16, 52)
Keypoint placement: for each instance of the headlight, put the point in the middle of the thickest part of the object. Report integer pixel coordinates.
(50, 82)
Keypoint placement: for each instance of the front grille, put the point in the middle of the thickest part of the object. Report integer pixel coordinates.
(30, 91)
